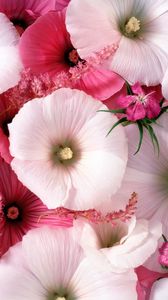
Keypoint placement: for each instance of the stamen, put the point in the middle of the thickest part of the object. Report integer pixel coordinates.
(65, 153)
(60, 298)
(73, 56)
(133, 25)
(13, 213)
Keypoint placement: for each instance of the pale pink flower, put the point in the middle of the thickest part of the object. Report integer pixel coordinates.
(147, 172)
(140, 104)
(52, 266)
(10, 64)
(53, 53)
(125, 245)
(165, 85)
(20, 209)
(138, 26)
(61, 151)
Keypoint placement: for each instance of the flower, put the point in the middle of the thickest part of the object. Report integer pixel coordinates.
(10, 64)
(61, 151)
(54, 268)
(140, 105)
(147, 172)
(23, 13)
(54, 53)
(163, 257)
(138, 27)
(20, 209)
(125, 245)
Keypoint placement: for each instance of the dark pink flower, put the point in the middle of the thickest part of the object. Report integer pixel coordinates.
(163, 257)
(140, 104)
(46, 47)
(20, 209)
(24, 12)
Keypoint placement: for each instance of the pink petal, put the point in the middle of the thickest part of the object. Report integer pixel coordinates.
(125, 101)
(90, 29)
(100, 84)
(136, 111)
(60, 4)
(152, 108)
(4, 147)
(47, 53)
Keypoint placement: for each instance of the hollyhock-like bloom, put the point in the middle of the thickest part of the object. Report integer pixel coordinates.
(20, 209)
(140, 105)
(54, 268)
(10, 64)
(125, 245)
(147, 172)
(165, 85)
(138, 26)
(23, 13)
(61, 151)
(54, 53)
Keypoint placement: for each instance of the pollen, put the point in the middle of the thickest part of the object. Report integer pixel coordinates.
(60, 298)
(132, 26)
(65, 154)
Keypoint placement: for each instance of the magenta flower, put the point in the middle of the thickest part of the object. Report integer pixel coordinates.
(140, 105)
(163, 257)
(20, 210)
(23, 13)
(54, 53)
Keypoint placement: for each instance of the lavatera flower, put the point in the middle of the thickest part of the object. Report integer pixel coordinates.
(62, 152)
(119, 247)
(138, 26)
(52, 266)
(10, 64)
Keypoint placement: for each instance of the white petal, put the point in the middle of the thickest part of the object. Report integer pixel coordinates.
(159, 290)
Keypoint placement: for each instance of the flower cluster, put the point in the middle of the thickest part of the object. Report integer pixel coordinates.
(83, 149)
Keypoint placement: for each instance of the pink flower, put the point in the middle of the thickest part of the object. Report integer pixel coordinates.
(23, 13)
(163, 257)
(20, 210)
(139, 28)
(61, 151)
(53, 53)
(125, 245)
(10, 64)
(52, 266)
(140, 105)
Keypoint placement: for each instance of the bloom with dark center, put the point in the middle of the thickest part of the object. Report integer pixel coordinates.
(54, 53)
(20, 209)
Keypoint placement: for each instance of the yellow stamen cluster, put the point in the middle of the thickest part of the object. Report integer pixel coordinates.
(65, 154)
(133, 25)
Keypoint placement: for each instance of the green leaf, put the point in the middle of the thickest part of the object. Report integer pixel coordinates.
(140, 127)
(153, 137)
(116, 124)
(114, 111)
(129, 90)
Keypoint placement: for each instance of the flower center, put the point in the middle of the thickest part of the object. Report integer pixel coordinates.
(12, 213)
(60, 298)
(133, 25)
(73, 56)
(65, 154)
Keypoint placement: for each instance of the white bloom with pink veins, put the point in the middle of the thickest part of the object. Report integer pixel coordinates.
(10, 64)
(53, 267)
(123, 246)
(138, 26)
(62, 152)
